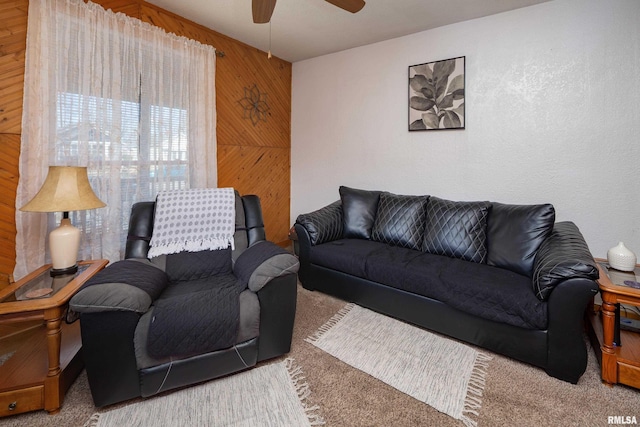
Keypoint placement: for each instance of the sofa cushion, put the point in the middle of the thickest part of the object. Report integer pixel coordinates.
(493, 293)
(346, 255)
(514, 234)
(359, 211)
(485, 291)
(456, 229)
(400, 220)
(389, 265)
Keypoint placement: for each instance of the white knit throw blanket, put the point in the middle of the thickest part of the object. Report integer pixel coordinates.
(193, 220)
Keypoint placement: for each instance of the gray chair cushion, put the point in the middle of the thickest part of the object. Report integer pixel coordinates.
(110, 297)
(456, 229)
(359, 209)
(400, 220)
(127, 285)
(514, 234)
(276, 266)
(263, 262)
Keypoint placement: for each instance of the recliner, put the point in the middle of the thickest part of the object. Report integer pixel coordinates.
(124, 359)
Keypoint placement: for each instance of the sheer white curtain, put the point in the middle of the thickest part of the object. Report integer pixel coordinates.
(134, 104)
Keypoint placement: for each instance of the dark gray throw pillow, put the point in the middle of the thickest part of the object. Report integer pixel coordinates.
(359, 211)
(514, 234)
(456, 229)
(400, 220)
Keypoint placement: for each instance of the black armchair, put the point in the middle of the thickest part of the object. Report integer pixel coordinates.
(154, 325)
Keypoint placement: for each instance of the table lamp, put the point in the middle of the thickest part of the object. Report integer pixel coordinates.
(65, 189)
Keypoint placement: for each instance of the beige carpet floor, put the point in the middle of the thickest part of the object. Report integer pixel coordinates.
(516, 394)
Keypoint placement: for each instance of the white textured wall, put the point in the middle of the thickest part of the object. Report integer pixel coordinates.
(552, 115)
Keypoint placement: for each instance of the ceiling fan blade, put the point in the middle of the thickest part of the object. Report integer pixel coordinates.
(352, 6)
(262, 10)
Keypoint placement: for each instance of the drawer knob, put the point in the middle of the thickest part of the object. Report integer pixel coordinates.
(13, 405)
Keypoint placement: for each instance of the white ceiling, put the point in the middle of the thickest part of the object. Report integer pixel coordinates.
(302, 29)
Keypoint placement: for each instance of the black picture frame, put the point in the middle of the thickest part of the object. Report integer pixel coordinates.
(437, 95)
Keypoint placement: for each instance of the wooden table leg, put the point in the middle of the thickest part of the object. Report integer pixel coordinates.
(52, 395)
(609, 362)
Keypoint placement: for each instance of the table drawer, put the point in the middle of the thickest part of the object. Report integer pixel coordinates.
(19, 401)
(629, 374)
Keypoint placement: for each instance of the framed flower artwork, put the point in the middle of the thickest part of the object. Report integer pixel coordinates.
(436, 95)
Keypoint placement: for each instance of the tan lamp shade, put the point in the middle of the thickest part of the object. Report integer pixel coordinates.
(65, 189)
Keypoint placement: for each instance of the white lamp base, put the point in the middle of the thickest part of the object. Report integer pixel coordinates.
(64, 243)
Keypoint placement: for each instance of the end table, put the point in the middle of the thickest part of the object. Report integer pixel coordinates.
(618, 351)
(42, 352)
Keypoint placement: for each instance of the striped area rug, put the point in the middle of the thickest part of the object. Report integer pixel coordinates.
(273, 395)
(442, 373)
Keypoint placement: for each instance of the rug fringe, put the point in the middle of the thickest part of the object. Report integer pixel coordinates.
(477, 382)
(304, 392)
(93, 421)
(312, 339)
(468, 421)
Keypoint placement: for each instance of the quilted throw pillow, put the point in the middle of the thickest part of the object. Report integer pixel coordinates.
(400, 220)
(456, 229)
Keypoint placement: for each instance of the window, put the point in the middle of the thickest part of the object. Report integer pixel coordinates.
(152, 154)
(132, 103)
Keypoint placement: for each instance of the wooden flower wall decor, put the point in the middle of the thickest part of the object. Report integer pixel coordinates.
(436, 95)
(254, 105)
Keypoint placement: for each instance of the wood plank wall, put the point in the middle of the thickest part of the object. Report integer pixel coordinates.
(255, 159)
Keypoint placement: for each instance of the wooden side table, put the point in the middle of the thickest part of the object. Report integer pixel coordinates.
(620, 361)
(44, 352)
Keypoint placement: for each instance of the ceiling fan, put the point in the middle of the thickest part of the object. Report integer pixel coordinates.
(263, 9)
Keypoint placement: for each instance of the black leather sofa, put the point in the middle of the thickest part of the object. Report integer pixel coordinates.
(503, 277)
(117, 305)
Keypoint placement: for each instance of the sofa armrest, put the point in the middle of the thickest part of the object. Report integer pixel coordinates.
(128, 285)
(263, 262)
(567, 352)
(562, 256)
(323, 225)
